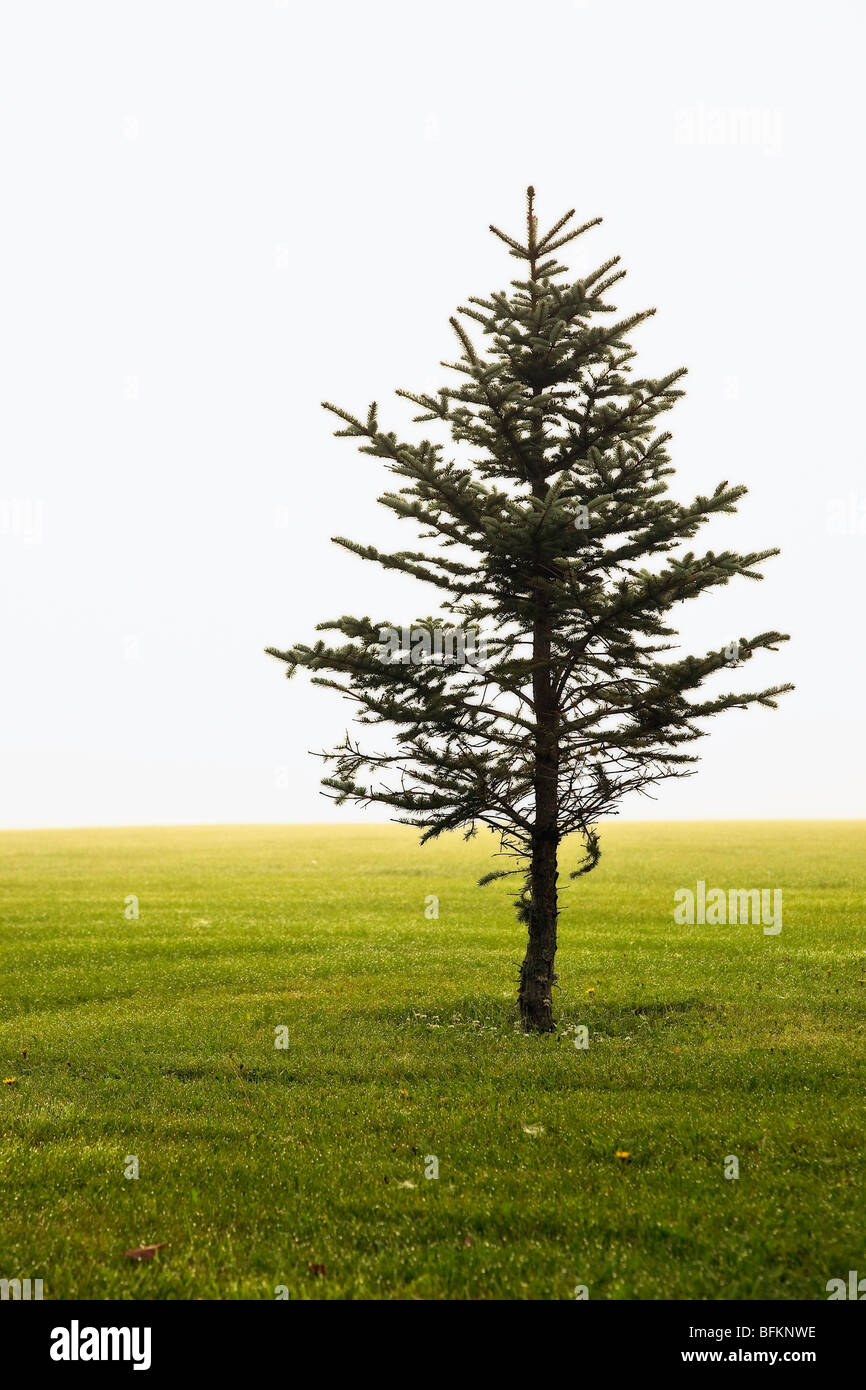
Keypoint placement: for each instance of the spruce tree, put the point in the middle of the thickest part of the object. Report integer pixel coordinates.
(548, 530)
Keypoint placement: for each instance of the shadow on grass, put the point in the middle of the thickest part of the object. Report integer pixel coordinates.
(617, 1019)
(483, 1011)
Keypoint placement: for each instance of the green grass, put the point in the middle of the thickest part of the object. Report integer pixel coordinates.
(155, 1037)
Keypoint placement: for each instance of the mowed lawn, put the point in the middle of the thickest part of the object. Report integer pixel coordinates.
(259, 1165)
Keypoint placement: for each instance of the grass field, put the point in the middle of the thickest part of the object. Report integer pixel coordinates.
(155, 1037)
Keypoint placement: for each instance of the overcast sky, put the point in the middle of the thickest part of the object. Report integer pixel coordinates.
(216, 214)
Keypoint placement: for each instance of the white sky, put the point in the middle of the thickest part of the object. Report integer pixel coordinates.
(216, 214)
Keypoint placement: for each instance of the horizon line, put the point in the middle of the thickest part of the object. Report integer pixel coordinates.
(361, 824)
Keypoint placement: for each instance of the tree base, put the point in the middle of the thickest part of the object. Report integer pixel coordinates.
(536, 1013)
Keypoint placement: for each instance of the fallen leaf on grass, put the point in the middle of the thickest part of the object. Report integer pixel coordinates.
(533, 1129)
(407, 1183)
(144, 1252)
(317, 1270)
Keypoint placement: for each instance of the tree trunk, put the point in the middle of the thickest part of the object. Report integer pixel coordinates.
(537, 975)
